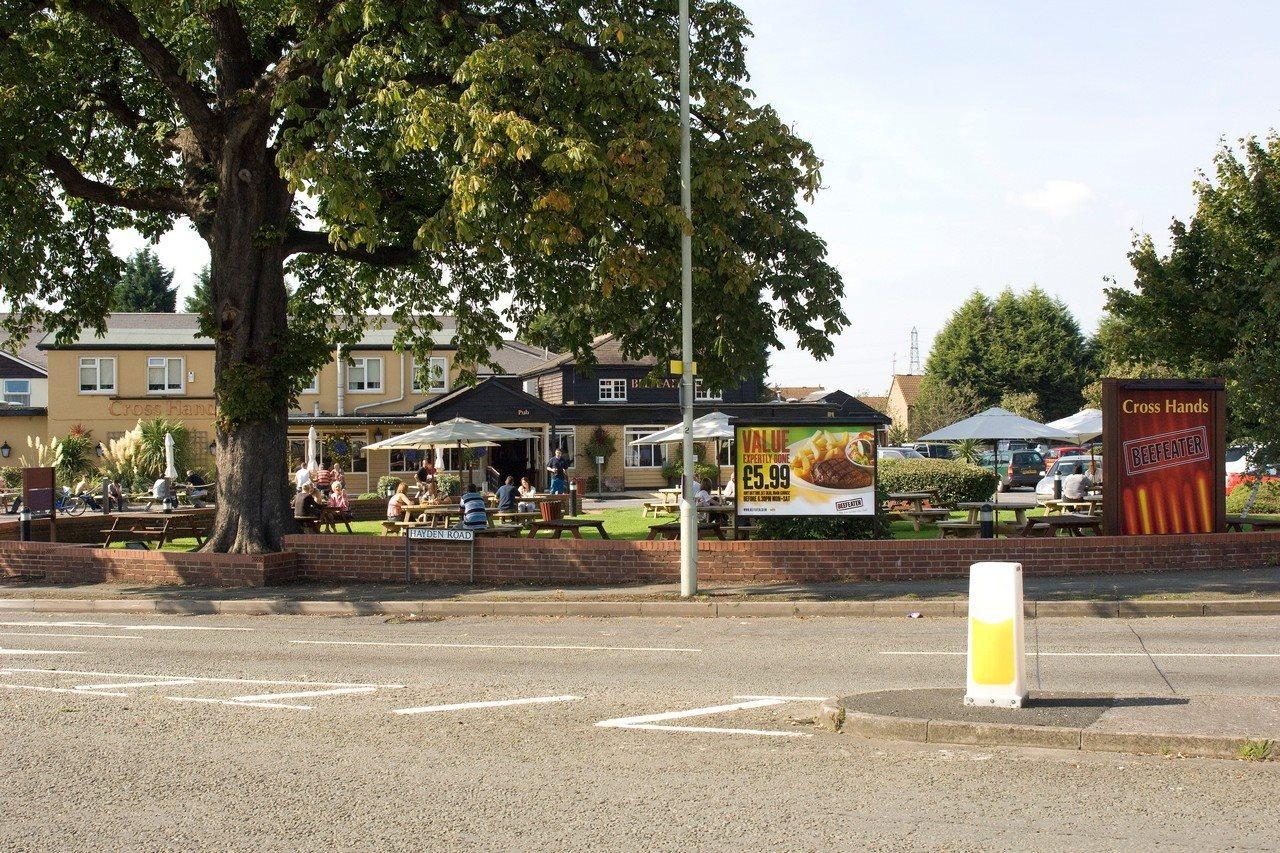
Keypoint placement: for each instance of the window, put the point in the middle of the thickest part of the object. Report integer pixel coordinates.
(364, 376)
(436, 380)
(314, 387)
(726, 453)
(643, 455)
(164, 375)
(97, 376)
(701, 392)
(407, 461)
(344, 448)
(566, 441)
(613, 389)
(17, 392)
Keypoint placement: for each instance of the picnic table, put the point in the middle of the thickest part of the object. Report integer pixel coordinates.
(160, 526)
(1072, 524)
(1236, 523)
(919, 513)
(573, 526)
(973, 508)
(671, 530)
(507, 516)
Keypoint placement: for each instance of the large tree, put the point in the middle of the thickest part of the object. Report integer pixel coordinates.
(462, 156)
(1210, 305)
(145, 285)
(1026, 345)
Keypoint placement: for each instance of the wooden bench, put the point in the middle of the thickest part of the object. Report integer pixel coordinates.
(659, 507)
(920, 516)
(514, 517)
(671, 530)
(572, 525)
(308, 522)
(1236, 523)
(1050, 525)
(958, 529)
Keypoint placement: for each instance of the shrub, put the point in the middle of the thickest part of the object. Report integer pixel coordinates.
(953, 481)
(449, 484)
(369, 496)
(72, 457)
(1268, 501)
(11, 477)
(151, 450)
(387, 485)
(822, 528)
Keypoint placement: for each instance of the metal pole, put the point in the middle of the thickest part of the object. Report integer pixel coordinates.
(688, 516)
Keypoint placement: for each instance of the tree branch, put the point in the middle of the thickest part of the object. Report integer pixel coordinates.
(118, 20)
(75, 183)
(301, 241)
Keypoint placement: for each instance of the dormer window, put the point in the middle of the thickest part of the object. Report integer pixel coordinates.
(613, 390)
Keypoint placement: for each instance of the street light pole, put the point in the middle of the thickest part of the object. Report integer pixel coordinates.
(688, 516)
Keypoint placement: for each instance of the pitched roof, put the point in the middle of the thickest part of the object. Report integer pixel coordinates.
(25, 351)
(798, 392)
(909, 385)
(515, 358)
(607, 351)
(877, 403)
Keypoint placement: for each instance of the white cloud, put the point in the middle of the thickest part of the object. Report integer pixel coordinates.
(1056, 198)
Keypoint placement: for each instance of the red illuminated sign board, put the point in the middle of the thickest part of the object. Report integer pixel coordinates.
(1163, 456)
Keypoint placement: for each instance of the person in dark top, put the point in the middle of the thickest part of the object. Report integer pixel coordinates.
(507, 494)
(305, 504)
(558, 466)
(196, 492)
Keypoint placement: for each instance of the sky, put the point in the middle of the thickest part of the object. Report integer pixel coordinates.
(985, 145)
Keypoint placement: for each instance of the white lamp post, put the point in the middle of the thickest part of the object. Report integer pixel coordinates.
(688, 512)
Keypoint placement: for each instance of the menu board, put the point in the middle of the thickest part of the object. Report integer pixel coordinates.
(805, 470)
(1164, 455)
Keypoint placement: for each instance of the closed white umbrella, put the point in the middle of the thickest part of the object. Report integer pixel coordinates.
(170, 469)
(313, 448)
(1084, 425)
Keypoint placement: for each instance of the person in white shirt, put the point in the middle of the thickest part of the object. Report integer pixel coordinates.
(728, 491)
(1076, 484)
(302, 477)
(703, 496)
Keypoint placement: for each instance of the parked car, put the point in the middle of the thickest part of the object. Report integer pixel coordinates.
(929, 450)
(1056, 453)
(1019, 469)
(1067, 465)
(898, 453)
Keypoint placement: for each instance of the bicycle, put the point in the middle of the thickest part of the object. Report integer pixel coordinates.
(71, 505)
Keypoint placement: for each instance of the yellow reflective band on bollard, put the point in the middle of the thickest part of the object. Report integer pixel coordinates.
(995, 636)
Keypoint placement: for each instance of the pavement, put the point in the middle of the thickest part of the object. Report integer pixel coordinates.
(1204, 593)
(157, 732)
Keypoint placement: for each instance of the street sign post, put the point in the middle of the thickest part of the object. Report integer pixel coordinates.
(414, 534)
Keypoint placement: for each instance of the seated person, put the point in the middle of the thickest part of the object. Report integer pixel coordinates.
(115, 496)
(339, 504)
(527, 490)
(703, 496)
(305, 504)
(398, 502)
(507, 495)
(164, 492)
(1077, 484)
(728, 492)
(84, 489)
(474, 516)
(196, 493)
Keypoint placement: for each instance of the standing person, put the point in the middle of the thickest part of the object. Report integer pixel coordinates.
(302, 476)
(559, 467)
(426, 475)
(322, 480)
(507, 495)
(398, 502)
(473, 505)
(336, 475)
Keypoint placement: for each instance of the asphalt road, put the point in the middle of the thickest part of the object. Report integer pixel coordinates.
(286, 733)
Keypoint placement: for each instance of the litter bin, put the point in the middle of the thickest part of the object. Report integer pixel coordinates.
(552, 510)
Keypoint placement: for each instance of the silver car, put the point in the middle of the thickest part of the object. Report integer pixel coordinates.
(1067, 464)
(899, 453)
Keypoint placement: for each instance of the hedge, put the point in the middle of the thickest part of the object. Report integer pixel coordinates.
(953, 481)
(1268, 501)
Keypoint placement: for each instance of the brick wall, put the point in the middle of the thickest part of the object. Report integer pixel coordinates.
(373, 559)
(61, 563)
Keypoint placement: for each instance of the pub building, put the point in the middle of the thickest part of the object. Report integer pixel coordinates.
(158, 365)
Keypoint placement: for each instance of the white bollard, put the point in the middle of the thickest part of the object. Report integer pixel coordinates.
(995, 636)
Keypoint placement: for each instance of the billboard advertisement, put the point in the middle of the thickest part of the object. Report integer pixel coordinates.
(1164, 453)
(805, 470)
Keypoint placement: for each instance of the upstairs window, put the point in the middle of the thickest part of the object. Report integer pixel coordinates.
(165, 375)
(17, 392)
(97, 376)
(613, 390)
(314, 387)
(364, 376)
(702, 392)
(436, 378)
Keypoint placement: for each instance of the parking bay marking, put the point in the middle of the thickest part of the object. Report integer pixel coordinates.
(407, 644)
(37, 652)
(80, 636)
(651, 722)
(83, 624)
(493, 703)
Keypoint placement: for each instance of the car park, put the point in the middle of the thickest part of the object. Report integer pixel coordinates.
(898, 453)
(930, 450)
(1017, 469)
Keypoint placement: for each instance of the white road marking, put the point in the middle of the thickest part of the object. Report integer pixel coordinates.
(169, 682)
(303, 694)
(786, 698)
(239, 704)
(57, 690)
(83, 624)
(651, 722)
(36, 652)
(1112, 654)
(491, 646)
(202, 679)
(82, 636)
(496, 703)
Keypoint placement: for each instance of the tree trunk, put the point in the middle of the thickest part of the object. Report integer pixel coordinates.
(247, 290)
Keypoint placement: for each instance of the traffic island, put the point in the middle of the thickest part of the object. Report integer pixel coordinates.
(1240, 727)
